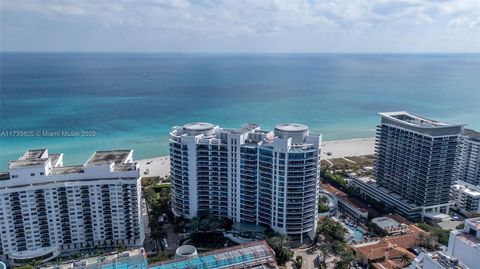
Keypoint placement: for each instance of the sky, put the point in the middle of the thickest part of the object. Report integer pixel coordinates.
(251, 26)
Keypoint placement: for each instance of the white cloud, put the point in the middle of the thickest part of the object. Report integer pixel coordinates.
(285, 14)
(464, 21)
(231, 19)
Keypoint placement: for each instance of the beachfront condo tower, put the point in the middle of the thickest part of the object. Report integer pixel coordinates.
(248, 175)
(414, 163)
(468, 158)
(466, 190)
(47, 209)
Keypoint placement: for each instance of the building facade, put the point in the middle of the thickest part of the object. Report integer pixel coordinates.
(47, 208)
(415, 159)
(467, 168)
(248, 175)
(464, 244)
(466, 197)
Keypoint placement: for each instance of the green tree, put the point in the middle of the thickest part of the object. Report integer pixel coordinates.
(438, 234)
(347, 258)
(298, 261)
(427, 241)
(281, 246)
(323, 204)
(331, 230)
(99, 252)
(75, 256)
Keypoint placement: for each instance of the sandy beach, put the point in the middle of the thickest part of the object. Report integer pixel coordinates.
(160, 166)
(155, 167)
(348, 148)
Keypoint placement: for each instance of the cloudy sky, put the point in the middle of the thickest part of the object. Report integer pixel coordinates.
(241, 25)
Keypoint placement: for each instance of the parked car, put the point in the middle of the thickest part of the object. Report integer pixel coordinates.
(455, 218)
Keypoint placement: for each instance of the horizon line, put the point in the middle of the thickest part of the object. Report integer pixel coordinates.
(226, 52)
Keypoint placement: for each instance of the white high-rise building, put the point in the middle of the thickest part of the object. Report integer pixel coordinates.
(466, 197)
(466, 190)
(467, 163)
(47, 208)
(248, 175)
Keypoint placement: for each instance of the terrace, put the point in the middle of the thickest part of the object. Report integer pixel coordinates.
(67, 170)
(107, 157)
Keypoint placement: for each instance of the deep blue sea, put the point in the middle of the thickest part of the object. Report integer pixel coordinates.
(132, 100)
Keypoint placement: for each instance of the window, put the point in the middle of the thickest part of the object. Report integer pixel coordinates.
(42, 173)
(32, 174)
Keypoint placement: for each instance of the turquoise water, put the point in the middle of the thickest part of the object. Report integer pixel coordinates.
(358, 235)
(132, 100)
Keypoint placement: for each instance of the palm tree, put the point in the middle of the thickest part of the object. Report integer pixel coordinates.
(405, 259)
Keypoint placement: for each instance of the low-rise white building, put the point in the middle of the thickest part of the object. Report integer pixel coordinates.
(463, 250)
(466, 197)
(47, 208)
(465, 244)
(436, 260)
(390, 226)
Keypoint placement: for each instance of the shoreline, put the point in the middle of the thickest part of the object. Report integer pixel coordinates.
(348, 148)
(160, 166)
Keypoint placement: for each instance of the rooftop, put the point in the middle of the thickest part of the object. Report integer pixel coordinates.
(27, 162)
(108, 156)
(291, 127)
(414, 120)
(469, 239)
(122, 160)
(472, 135)
(33, 157)
(198, 126)
(54, 157)
(443, 259)
(127, 260)
(33, 154)
(67, 170)
(377, 250)
(475, 222)
(243, 129)
(384, 222)
(252, 255)
(355, 203)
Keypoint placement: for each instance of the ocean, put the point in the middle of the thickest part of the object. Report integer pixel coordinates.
(131, 101)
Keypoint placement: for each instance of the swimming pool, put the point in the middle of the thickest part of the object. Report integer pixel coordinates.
(358, 234)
